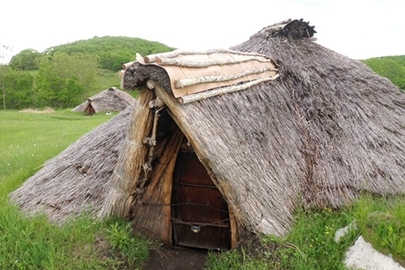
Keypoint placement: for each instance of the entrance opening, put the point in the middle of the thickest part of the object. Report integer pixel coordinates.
(200, 213)
(90, 110)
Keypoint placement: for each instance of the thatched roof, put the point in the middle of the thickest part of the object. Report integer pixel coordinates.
(109, 100)
(317, 133)
(326, 129)
(76, 180)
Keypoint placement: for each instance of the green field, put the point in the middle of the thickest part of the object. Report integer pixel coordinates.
(27, 140)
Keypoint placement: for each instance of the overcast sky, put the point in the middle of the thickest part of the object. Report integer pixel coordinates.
(359, 29)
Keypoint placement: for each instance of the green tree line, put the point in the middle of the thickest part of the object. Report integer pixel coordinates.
(64, 76)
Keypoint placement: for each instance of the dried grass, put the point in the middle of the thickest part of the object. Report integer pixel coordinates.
(77, 180)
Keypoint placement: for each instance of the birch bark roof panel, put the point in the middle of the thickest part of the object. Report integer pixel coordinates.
(194, 72)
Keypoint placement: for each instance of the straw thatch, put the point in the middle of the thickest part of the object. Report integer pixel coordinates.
(77, 180)
(326, 129)
(109, 100)
(315, 132)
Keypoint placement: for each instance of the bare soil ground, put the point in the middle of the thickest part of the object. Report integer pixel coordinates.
(176, 258)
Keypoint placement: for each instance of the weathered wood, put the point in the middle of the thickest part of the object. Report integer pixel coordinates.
(147, 167)
(156, 104)
(127, 65)
(149, 142)
(234, 228)
(178, 116)
(153, 210)
(223, 90)
(132, 158)
(201, 64)
(209, 79)
(150, 84)
(155, 57)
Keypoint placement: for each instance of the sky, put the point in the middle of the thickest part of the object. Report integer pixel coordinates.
(359, 29)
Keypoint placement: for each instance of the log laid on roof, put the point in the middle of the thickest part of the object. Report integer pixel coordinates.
(223, 90)
(155, 58)
(181, 83)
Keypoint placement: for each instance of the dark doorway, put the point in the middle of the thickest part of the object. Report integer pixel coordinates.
(200, 214)
(90, 110)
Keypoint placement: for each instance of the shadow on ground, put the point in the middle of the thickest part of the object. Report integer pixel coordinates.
(175, 258)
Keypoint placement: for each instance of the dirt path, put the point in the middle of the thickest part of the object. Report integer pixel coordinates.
(176, 258)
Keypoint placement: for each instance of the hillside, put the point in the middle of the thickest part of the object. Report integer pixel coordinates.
(64, 76)
(112, 51)
(392, 67)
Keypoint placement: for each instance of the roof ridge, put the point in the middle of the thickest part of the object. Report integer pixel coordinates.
(295, 29)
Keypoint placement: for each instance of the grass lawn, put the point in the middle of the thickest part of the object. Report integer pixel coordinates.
(29, 139)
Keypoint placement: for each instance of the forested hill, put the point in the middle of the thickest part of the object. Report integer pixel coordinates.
(392, 67)
(64, 76)
(111, 51)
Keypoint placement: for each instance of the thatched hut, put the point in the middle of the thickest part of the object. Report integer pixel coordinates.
(109, 100)
(227, 141)
(76, 180)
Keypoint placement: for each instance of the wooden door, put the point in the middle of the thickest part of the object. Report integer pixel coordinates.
(90, 110)
(200, 214)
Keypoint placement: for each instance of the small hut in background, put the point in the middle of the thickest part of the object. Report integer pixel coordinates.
(109, 100)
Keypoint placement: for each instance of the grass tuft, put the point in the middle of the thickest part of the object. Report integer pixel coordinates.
(311, 242)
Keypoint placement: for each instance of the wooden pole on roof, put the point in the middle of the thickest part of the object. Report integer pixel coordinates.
(224, 90)
(210, 79)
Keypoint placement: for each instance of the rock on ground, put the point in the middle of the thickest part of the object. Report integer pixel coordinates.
(363, 256)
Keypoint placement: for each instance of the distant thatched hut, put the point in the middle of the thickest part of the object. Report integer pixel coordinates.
(230, 141)
(109, 100)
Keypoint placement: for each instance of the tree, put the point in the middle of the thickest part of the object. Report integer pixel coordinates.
(4, 69)
(19, 89)
(26, 60)
(63, 80)
(111, 51)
